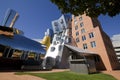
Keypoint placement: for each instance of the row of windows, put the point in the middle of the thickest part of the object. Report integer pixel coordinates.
(82, 31)
(91, 35)
(93, 44)
(53, 48)
(76, 26)
(80, 18)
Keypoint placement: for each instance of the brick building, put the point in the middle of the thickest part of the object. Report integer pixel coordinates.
(88, 34)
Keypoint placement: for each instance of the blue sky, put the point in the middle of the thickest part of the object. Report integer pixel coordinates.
(36, 16)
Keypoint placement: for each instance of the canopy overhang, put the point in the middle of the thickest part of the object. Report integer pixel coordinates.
(79, 51)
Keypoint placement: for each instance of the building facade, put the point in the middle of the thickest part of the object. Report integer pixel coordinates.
(88, 35)
(116, 44)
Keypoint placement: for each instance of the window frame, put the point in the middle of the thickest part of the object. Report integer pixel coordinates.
(93, 44)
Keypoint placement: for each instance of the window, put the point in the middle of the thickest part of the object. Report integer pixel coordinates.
(61, 21)
(83, 38)
(75, 22)
(77, 40)
(69, 40)
(52, 49)
(81, 24)
(55, 23)
(80, 18)
(57, 38)
(76, 27)
(91, 35)
(61, 41)
(77, 33)
(54, 43)
(85, 46)
(83, 30)
(74, 17)
(56, 27)
(93, 44)
(60, 47)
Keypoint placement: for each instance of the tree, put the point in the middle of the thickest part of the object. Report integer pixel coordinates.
(92, 8)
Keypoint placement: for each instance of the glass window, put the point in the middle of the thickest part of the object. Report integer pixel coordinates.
(77, 40)
(60, 47)
(80, 18)
(61, 21)
(54, 43)
(55, 23)
(74, 17)
(52, 49)
(83, 30)
(75, 22)
(57, 38)
(85, 46)
(56, 27)
(69, 40)
(77, 33)
(83, 38)
(61, 41)
(81, 24)
(76, 27)
(93, 44)
(91, 35)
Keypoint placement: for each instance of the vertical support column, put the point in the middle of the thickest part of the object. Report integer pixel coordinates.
(8, 52)
(26, 55)
(22, 56)
(4, 53)
(37, 56)
(11, 52)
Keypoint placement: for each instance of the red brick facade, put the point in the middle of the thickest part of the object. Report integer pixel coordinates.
(88, 34)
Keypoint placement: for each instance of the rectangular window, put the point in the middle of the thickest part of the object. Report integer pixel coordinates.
(77, 40)
(85, 46)
(77, 33)
(75, 21)
(61, 21)
(93, 44)
(91, 35)
(83, 38)
(83, 30)
(74, 17)
(81, 24)
(76, 27)
(80, 18)
(52, 49)
(69, 40)
(60, 47)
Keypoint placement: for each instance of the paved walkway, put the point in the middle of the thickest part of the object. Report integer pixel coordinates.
(54, 70)
(12, 76)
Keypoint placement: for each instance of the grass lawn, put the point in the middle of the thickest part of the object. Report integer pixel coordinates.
(67, 75)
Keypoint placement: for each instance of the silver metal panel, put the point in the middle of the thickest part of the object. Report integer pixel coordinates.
(22, 43)
(80, 51)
